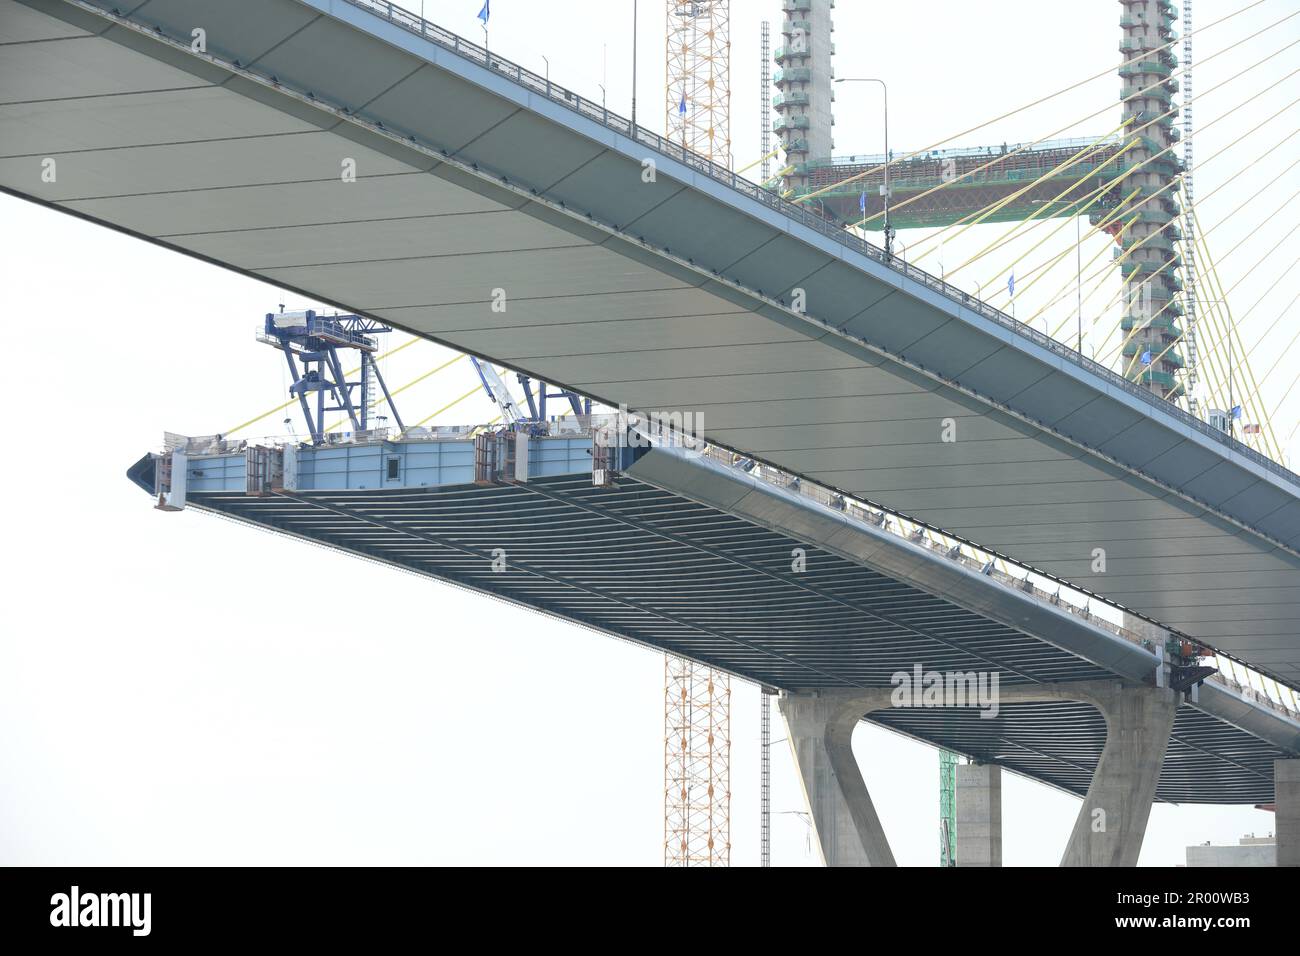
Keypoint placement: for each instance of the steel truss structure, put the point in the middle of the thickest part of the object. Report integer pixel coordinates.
(699, 77)
(697, 764)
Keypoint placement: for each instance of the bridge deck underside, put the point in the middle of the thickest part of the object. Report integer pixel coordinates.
(1052, 461)
(659, 569)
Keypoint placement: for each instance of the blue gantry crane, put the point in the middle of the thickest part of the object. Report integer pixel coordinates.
(311, 344)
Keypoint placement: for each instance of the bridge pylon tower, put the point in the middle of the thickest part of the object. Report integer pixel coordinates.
(805, 97)
(1147, 223)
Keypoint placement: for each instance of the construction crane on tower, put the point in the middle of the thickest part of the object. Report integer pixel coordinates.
(697, 699)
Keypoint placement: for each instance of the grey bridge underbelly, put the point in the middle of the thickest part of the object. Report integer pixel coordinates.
(673, 294)
(668, 571)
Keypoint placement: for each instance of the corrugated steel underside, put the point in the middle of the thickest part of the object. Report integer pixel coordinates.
(643, 564)
(209, 160)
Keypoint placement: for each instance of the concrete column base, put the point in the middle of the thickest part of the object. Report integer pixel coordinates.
(820, 729)
(979, 815)
(1286, 800)
(1113, 819)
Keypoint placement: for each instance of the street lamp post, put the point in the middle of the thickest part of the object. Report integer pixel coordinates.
(634, 20)
(889, 229)
(1078, 272)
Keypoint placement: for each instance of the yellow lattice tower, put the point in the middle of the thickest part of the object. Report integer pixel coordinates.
(697, 699)
(697, 765)
(698, 96)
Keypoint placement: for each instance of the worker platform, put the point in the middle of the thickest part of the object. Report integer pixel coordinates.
(1063, 178)
(698, 552)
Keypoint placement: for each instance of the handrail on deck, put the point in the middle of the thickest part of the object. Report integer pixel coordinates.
(597, 113)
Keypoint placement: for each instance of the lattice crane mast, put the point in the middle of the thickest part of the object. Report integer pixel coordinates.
(697, 698)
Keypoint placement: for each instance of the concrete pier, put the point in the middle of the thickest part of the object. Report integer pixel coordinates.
(820, 729)
(979, 815)
(1286, 798)
(1113, 819)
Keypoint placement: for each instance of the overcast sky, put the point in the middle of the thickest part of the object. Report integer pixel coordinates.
(179, 689)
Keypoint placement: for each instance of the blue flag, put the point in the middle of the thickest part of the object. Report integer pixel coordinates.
(485, 13)
(1236, 411)
(1011, 285)
(862, 203)
(681, 107)
(1146, 357)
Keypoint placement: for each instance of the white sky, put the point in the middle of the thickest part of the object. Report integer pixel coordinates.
(179, 689)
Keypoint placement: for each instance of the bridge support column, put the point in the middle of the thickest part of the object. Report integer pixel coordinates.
(820, 729)
(1113, 818)
(979, 815)
(1286, 800)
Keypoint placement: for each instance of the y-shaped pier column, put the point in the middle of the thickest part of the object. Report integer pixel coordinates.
(820, 728)
(1113, 818)
(1111, 823)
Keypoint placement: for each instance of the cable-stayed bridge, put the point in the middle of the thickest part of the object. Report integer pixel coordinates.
(431, 180)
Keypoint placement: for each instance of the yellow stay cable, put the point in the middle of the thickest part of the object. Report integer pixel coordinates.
(1123, 209)
(1217, 317)
(1033, 221)
(1128, 173)
(1083, 154)
(1102, 224)
(1096, 194)
(452, 404)
(1238, 323)
(1285, 395)
(1174, 181)
(759, 160)
(1218, 363)
(1257, 390)
(1027, 146)
(397, 391)
(1104, 272)
(1223, 337)
(294, 401)
(1282, 354)
(1231, 332)
(1067, 89)
(939, 238)
(1224, 259)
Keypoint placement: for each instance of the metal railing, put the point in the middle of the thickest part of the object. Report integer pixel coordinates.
(597, 113)
(609, 429)
(983, 563)
(899, 156)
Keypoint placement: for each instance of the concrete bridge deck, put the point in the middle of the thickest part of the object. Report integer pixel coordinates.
(695, 291)
(693, 555)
